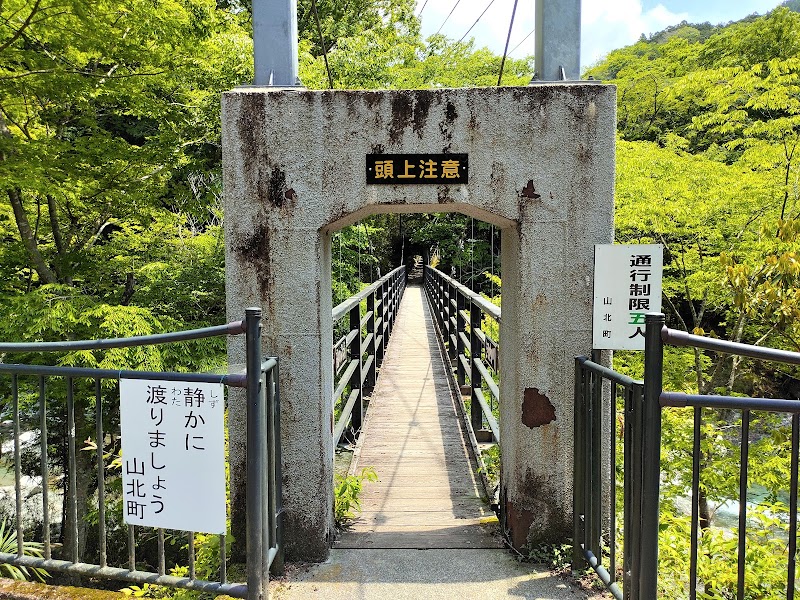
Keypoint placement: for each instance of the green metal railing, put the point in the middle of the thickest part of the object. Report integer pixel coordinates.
(263, 460)
(643, 403)
(459, 316)
(358, 353)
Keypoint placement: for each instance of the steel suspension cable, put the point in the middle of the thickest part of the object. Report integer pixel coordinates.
(476, 22)
(322, 43)
(472, 255)
(448, 16)
(530, 33)
(508, 39)
(491, 251)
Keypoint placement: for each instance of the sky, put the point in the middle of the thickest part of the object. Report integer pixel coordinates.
(606, 24)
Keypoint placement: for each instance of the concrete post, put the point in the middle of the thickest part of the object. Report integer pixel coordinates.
(541, 161)
(558, 40)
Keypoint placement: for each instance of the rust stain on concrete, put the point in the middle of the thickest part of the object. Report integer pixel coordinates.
(537, 410)
(518, 521)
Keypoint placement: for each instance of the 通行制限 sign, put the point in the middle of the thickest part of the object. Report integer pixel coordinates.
(627, 286)
(417, 168)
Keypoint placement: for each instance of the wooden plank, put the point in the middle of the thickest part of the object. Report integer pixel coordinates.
(426, 495)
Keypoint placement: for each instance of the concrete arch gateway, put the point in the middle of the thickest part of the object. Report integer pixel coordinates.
(541, 167)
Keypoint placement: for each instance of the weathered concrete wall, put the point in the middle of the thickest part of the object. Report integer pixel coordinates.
(541, 163)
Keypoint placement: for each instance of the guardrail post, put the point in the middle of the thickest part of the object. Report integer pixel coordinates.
(355, 352)
(274, 479)
(651, 454)
(579, 471)
(392, 302)
(595, 439)
(257, 574)
(385, 313)
(371, 376)
(633, 489)
(452, 334)
(461, 328)
(475, 377)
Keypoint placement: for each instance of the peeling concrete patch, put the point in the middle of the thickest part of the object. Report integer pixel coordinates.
(443, 196)
(529, 191)
(537, 410)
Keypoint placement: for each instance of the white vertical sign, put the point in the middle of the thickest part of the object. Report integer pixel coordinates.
(627, 286)
(173, 454)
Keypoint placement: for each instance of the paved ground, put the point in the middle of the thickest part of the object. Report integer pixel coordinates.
(435, 574)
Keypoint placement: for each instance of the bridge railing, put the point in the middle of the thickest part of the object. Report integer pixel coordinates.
(359, 352)
(591, 488)
(460, 315)
(81, 387)
(644, 403)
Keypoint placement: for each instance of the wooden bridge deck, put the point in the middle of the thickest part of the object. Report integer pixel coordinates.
(427, 493)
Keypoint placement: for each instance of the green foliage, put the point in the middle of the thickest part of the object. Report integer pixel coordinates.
(491, 461)
(207, 557)
(707, 165)
(557, 557)
(347, 492)
(8, 545)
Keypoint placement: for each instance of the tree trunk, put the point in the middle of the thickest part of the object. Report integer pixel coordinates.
(84, 483)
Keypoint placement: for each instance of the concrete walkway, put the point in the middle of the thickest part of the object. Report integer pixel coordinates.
(443, 574)
(424, 532)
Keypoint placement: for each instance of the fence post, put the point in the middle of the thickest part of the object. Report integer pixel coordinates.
(579, 471)
(595, 440)
(651, 454)
(475, 377)
(355, 352)
(274, 479)
(461, 327)
(257, 574)
(393, 301)
(371, 372)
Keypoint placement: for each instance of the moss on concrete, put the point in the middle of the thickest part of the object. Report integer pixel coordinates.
(25, 590)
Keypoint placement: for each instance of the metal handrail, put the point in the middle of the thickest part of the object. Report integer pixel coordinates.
(591, 467)
(233, 328)
(263, 503)
(644, 402)
(459, 315)
(657, 335)
(487, 307)
(675, 337)
(361, 355)
(341, 309)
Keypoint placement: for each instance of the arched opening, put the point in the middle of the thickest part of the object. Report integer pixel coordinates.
(443, 413)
